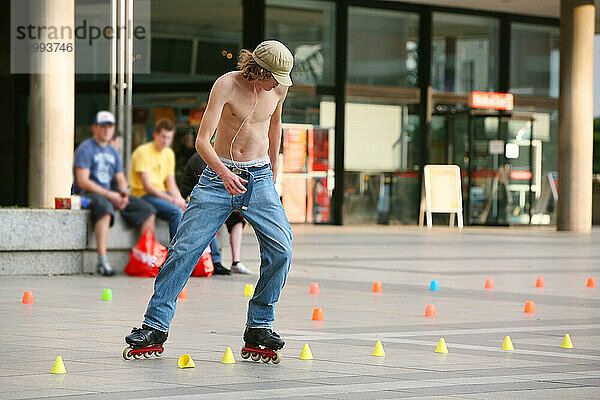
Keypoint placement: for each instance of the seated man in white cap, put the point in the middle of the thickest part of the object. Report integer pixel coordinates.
(99, 176)
(244, 108)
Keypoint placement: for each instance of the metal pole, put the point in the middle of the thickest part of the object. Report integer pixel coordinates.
(128, 88)
(113, 56)
(121, 73)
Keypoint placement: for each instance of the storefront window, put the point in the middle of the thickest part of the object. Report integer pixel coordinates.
(308, 29)
(306, 163)
(193, 41)
(465, 53)
(535, 61)
(382, 47)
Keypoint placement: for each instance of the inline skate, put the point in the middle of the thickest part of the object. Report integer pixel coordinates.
(144, 341)
(262, 344)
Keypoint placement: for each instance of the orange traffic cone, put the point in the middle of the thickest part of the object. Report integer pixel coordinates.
(28, 297)
(318, 314)
(489, 283)
(539, 283)
(430, 310)
(314, 288)
(591, 282)
(529, 307)
(183, 293)
(377, 287)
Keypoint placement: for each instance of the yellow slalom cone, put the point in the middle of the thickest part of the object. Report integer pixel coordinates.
(228, 357)
(58, 367)
(441, 347)
(507, 344)
(185, 361)
(378, 350)
(249, 290)
(306, 353)
(566, 343)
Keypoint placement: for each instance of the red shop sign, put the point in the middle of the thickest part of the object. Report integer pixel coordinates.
(492, 100)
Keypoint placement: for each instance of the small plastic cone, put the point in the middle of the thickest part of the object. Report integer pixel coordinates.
(507, 344)
(489, 284)
(185, 361)
(377, 287)
(306, 353)
(28, 297)
(566, 343)
(539, 283)
(249, 290)
(107, 295)
(430, 310)
(318, 314)
(435, 286)
(58, 367)
(228, 357)
(591, 282)
(441, 347)
(183, 294)
(378, 350)
(529, 307)
(314, 288)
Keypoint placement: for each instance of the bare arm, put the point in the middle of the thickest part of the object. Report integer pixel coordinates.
(151, 190)
(121, 182)
(210, 120)
(175, 193)
(85, 183)
(275, 136)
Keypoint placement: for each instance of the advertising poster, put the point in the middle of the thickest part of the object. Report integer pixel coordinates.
(294, 149)
(319, 149)
(321, 204)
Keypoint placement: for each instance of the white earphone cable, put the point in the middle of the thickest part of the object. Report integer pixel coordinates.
(240, 128)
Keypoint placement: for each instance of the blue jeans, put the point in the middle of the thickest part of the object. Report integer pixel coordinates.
(209, 207)
(215, 252)
(166, 210)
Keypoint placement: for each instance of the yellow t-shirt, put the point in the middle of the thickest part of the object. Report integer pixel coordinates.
(159, 165)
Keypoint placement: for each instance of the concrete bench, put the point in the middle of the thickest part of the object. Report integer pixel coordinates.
(45, 241)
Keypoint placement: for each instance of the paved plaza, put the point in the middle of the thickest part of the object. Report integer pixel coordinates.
(69, 318)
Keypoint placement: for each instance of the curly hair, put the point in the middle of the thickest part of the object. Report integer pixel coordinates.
(250, 69)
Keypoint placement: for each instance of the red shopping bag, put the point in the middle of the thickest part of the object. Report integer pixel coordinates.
(204, 268)
(146, 257)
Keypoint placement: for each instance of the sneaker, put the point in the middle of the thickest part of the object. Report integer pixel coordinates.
(240, 268)
(221, 270)
(105, 269)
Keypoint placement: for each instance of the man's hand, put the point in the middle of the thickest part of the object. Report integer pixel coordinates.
(274, 170)
(180, 202)
(118, 201)
(233, 183)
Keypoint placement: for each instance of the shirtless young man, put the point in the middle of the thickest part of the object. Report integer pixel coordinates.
(244, 108)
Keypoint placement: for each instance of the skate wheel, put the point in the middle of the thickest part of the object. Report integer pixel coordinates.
(255, 356)
(245, 354)
(148, 354)
(158, 353)
(265, 359)
(127, 353)
(137, 356)
(277, 358)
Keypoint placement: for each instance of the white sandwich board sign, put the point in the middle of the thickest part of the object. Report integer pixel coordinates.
(443, 193)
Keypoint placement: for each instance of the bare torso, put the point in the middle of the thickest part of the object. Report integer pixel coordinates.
(252, 142)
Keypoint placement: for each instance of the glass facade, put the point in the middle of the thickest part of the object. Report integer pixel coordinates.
(534, 60)
(506, 160)
(308, 29)
(382, 138)
(464, 53)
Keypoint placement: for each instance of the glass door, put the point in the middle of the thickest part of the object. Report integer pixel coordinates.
(500, 184)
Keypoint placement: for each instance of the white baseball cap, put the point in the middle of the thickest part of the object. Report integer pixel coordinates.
(104, 117)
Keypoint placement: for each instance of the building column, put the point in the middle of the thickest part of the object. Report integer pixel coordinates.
(575, 130)
(52, 113)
